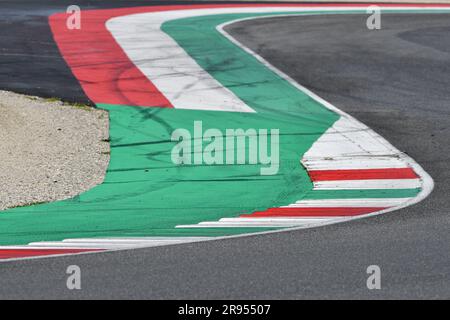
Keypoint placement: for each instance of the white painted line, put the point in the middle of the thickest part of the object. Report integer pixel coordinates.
(114, 243)
(223, 225)
(255, 222)
(96, 243)
(353, 162)
(351, 203)
(262, 223)
(136, 240)
(50, 244)
(348, 139)
(286, 220)
(368, 184)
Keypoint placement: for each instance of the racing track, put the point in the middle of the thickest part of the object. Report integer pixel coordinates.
(325, 262)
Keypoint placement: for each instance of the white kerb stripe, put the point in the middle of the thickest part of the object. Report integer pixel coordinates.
(277, 220)
(351, 203)
(368, 184)
(66, 245)
(136, 240)
(353, 162)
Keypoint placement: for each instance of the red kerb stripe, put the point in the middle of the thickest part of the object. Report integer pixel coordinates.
(27, 253)
(313, 212)
(362, 174)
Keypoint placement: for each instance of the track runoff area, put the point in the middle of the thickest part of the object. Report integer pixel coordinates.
(208, 140)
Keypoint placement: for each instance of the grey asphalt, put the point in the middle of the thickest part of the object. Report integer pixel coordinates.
(396, 81)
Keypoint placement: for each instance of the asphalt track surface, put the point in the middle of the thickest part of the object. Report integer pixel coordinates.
(395, 80)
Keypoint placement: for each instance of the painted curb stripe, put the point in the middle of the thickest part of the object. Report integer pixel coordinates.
(368, 184)
(313, 212)
(27, 252)
(368, 174)
(411, 194)
(320, 163)
(136, 240)
(362, 202)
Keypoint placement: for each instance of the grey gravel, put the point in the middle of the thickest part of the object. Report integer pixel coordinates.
(49, 150)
